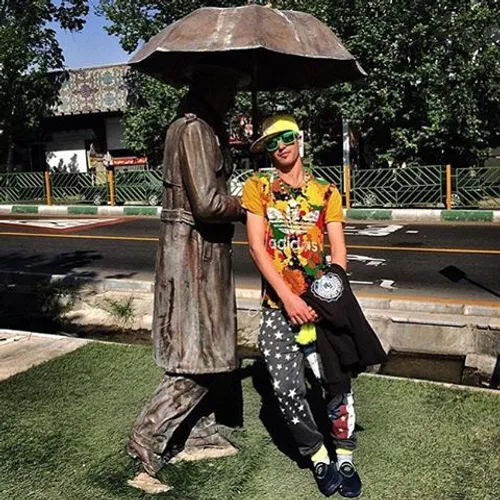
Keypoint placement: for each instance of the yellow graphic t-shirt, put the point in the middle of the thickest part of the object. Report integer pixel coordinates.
(296, 221)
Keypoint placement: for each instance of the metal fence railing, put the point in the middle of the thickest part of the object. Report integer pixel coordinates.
(334, 175)
(477, 187)
(428, 186)
(25, 187)
(133, 186)
(398, 187)
(238, 180)
(68, 188)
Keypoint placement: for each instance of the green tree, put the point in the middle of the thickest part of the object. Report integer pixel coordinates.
(431, 95)
(28, 52)
(152, 107)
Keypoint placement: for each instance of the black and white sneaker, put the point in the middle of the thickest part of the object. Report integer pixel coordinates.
(327, 477)
(350, 486)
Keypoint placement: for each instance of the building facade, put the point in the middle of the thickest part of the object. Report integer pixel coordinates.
(86, 124)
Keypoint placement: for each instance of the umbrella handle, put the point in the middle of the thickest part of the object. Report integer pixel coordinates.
(255, 118)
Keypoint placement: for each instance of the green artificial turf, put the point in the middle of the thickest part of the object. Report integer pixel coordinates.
(64, 425)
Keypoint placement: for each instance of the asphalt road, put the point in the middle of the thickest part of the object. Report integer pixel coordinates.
(396, 259)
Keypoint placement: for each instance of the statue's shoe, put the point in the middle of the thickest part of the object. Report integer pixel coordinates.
(216, 447)
(150, 485)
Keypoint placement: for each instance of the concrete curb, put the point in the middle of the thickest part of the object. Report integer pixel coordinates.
(352, 214)
(423, 215)
(9, 332)
(471, 330)
(77, 342)
(403, 325)
(399, 310)
(59, 210)
(445, 385)
(102, 285)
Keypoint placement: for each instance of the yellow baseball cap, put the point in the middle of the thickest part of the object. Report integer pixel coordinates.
(272, 126)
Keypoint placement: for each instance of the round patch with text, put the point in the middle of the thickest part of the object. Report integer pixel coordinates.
(328, 288)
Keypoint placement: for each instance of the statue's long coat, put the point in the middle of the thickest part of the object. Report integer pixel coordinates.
(194, 321)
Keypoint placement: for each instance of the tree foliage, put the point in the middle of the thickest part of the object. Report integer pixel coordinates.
(152, 106)
(29, 50)
(431, 95)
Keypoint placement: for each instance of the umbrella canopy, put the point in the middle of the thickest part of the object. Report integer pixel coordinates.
(278, 49)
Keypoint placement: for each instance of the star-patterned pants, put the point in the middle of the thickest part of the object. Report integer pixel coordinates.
(286, 363)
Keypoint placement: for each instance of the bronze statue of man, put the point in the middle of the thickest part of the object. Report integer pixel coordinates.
(194, 321)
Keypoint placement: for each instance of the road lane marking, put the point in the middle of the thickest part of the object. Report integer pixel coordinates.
(359, 247)
(371, 230)
(369, 261)
(57, 223)
(62, 226)
(388, 284)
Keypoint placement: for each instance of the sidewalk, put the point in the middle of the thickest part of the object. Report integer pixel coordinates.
(20, 351)
(352, 214)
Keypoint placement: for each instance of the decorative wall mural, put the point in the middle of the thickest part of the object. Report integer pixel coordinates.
(94, 90)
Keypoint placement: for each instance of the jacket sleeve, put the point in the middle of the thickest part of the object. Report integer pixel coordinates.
(199, 151)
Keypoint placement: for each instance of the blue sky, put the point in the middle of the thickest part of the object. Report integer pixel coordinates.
(92, 46)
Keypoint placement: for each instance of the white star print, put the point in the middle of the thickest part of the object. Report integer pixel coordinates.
(277, 386)
(278, 356)
(288, 357)
(269, 322)
(292, 393)
(267, 352)
(278, 335)
(279, 367)
(295, 348)
(301, 408)
(295, 420)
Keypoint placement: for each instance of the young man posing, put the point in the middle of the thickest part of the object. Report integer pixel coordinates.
(288, 211)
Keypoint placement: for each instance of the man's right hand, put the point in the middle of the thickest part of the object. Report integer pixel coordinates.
(298, 311)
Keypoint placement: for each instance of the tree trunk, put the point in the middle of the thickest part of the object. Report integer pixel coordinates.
(10, 157)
